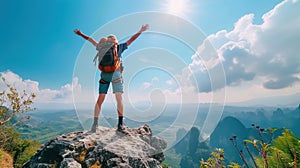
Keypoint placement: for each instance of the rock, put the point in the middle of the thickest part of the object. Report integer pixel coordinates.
(107, 147)
(70, 162)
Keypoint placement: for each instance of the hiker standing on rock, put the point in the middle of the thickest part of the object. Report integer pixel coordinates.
(109, 62)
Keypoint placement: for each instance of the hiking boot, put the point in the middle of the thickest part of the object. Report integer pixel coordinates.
(121, 128)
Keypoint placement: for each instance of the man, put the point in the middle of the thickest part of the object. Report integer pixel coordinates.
(111, 77)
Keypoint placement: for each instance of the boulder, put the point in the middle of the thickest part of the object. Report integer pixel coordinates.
(107, 147)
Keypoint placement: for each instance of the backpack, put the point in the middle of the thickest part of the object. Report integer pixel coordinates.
(108, 59)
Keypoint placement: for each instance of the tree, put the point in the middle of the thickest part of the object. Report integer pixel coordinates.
(12, 107)
(215, 160)
(285, 151)
(12, 103)
(280, 152)
(20, 149)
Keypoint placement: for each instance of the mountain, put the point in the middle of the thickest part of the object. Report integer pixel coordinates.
(107, 147)
(276, 101)
(230, 134)
(228, 127)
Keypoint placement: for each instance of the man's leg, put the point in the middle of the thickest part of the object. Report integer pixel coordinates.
(97, 109)
(120, 108)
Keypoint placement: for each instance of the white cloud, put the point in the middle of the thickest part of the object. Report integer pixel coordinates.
(250, 61)
(150, 85)
(269, 51)
(146, 85)
(155, 79)
(63, 95)
(169, 82)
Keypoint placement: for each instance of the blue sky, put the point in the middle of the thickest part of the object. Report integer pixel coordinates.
(39, 49)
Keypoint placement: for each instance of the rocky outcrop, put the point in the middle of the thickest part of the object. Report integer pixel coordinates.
(106, 148)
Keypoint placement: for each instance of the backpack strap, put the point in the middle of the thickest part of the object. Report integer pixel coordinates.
(103, 81)
(114, 81)
(95, 58)
(117, 80)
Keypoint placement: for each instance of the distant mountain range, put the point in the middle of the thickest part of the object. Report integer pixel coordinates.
(291, 100)
(235, 120)
(275, 101)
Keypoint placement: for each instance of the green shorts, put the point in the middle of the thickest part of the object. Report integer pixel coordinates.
(115, 78)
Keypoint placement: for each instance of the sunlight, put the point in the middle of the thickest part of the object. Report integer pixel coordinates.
(178, 7)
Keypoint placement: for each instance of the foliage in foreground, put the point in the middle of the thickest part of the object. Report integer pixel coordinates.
(13, 105)
(20, 149)
(281, 152)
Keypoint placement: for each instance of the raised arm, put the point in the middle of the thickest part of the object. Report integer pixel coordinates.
(143, 28)
(90, 39)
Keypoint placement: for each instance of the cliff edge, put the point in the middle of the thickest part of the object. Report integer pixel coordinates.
(107, 147)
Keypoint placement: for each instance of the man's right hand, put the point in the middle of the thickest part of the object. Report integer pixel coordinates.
(144, 28)
(78, 32)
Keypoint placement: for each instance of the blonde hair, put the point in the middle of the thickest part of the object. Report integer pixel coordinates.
(111, 36)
